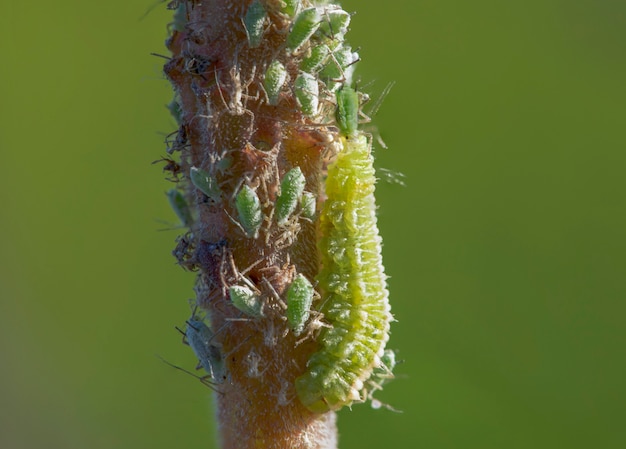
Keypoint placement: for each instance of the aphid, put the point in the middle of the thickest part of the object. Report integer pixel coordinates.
(307, 93)
(254, 23)
(299, 301)
(249, 209)
(316, 59)
(180, 17)
(308, 205)
(176, 110)
(303, 27)
(180, 206)
(247, 301)
(347, 111)
(336, 24)
(383, 373)
(290, 7)
(352, 282)
(205, 183)
(381, 376)
(200, 338)
(275, 77)
(340, 68)
(291, 188)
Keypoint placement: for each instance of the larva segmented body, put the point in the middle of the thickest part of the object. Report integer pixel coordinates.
(353, 284)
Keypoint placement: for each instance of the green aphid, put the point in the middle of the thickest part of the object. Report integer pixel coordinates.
(180, 206)
(175, 109)
(336, 24)
(340, 67)
(254, 22)
(200, 338)
(347, 111)
(249, 210)
(299, 300)
(316, 59)
(246, 300)
(307, 93)
(303, 27)
(384, 372)
(308, 205)
(291, 188)
(180, 17)
(275, 77)
(290, 7)
(205, 183)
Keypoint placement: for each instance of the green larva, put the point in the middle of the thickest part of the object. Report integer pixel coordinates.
(275, 77)
(307, 93)
(249, 210)
(308, 205)
(180, 206)
(291, 188)
(200, 338)
(254, 22)
(303, 27)
(299, 301)
(205, 183)
(246, 300)
(347, 111)
(352, 283)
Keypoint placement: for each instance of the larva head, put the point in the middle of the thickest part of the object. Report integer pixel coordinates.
(291, 188)
(254, 22)
(204, 182)
(303, 27)
(249, 210)
(275, 77)
(299, 301)
(180, 206)
(347, 112)
(244, 299)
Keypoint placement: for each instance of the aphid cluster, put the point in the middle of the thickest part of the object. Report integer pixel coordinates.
(247, 198)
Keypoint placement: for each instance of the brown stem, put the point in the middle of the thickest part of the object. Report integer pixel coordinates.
(229, 129)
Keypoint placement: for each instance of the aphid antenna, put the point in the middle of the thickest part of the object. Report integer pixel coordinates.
(203, 379)
(236, 223)
(379, 101)
(159, 55)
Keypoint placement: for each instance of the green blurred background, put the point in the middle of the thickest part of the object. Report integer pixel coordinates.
(506, 249)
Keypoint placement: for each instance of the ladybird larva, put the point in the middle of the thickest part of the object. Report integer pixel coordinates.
(352, 282)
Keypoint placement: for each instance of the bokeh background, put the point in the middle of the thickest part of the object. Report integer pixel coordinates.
(506, 249)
